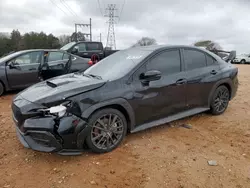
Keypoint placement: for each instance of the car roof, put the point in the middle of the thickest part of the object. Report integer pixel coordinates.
(33, 50)
(154, 48)
(157, 47)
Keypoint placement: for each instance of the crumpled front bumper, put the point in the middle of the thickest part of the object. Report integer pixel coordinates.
(39, 141)
(39, 134)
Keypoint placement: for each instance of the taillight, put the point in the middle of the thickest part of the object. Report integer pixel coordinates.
(90, 62)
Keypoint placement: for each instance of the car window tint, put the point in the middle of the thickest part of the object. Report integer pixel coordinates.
(194, 59)
(55, 56)
(93, 46)
(210, 60)
(81, 47)
(168, 62)
(28, 58)
(65, 56)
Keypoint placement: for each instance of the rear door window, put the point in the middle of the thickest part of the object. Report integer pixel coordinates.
(55, 56)
(194, 59)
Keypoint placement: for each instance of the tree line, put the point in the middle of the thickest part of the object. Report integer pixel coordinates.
(33, 40)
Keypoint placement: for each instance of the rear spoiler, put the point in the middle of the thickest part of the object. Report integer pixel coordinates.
(231, 54)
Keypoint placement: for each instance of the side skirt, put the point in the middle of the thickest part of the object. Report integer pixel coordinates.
(169, 119)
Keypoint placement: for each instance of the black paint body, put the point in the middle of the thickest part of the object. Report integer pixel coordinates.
(144, 104)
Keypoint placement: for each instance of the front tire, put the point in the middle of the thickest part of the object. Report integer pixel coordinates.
(108, 128)
(1, 89)
(220, 100)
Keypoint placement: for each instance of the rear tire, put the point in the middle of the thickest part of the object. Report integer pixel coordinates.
(220, 100)
(243, 61)
(1, 89)
(108, 128)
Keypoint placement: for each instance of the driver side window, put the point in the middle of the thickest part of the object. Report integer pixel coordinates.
(81, 47)
(167, 62)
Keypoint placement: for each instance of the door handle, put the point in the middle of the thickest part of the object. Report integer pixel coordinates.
(213, 72)
(32, 69)
(181, 81)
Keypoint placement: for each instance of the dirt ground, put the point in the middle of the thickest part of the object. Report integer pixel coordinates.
(166, 156)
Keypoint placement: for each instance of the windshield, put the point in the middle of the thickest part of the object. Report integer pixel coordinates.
(118, 64)
(68, 46)
(10, 56)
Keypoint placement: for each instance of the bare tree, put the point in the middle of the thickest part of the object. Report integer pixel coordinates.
(208, 44)
(145, 41)
(64, 39)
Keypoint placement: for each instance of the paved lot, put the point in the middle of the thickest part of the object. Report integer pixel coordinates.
(166, 156)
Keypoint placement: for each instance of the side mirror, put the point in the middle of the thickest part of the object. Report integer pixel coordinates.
(151, 75)
(74, 50)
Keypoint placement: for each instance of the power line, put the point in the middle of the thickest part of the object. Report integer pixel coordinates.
(68, 7)
(98, 1)
(122, 9)
(58, 7)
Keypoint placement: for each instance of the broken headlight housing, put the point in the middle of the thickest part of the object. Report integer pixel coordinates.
(62, 109)
(57, 110)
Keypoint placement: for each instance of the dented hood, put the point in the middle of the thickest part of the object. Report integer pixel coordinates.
(60, 87)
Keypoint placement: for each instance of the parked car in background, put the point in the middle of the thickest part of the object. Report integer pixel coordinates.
(93, 50)
(129, 91)
(242, 59)
(21, 69)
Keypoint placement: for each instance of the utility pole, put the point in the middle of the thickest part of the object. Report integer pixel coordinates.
(100, 37)
(84, 34)
(111, 30)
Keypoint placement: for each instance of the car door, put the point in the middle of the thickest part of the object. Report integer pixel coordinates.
(78, 63)
(54, 64)
(163, 97)
(203, 71)
(22, 71)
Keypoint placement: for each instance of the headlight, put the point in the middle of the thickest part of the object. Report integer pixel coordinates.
(58, 110)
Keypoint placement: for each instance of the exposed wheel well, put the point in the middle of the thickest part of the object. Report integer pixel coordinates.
(119, 108)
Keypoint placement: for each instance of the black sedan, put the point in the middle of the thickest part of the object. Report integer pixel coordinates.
(129, 91)
(21, 69)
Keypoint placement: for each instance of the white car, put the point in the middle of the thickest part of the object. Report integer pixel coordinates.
(243, 59)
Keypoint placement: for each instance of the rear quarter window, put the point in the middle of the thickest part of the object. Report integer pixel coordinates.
(93, 46)
(210, 60)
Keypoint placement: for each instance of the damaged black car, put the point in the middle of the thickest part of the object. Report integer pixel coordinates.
(129, 91)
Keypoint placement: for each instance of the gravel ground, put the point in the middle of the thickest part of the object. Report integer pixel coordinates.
(166, 156)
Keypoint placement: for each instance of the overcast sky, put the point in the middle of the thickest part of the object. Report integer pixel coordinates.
(168, 21)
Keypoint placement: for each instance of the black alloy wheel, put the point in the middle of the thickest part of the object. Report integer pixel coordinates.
(108, 128)
(220, 100)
